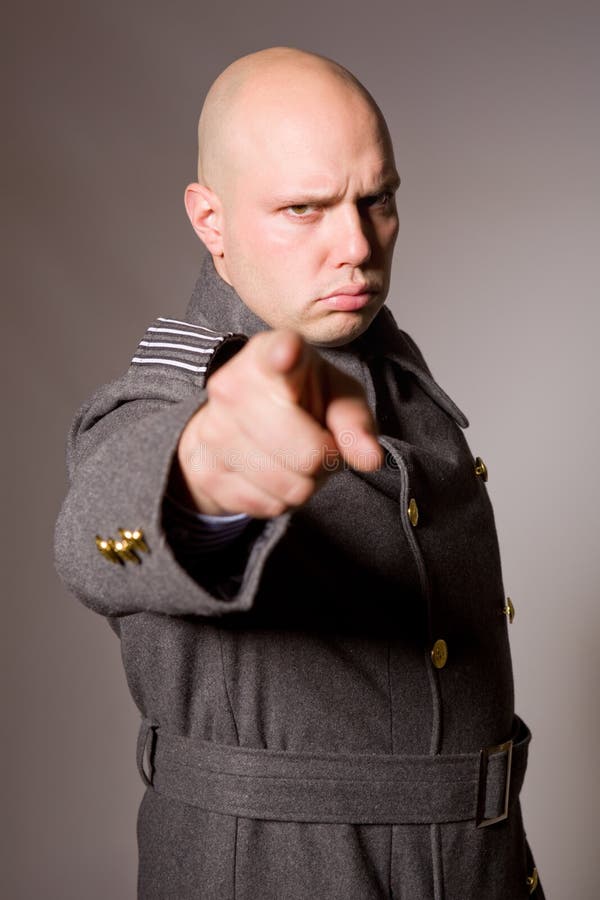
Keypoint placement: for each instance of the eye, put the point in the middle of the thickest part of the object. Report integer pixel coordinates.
(382, 199)
(299, 209)
(382, 203)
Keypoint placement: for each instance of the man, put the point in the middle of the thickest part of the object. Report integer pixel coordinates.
(278, 513)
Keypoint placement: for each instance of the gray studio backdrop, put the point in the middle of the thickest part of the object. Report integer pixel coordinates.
(493, 108)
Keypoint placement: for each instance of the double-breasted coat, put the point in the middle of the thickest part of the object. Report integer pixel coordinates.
(327, 705)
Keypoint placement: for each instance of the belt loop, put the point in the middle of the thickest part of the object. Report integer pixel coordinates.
(147, 729)
(480, 818)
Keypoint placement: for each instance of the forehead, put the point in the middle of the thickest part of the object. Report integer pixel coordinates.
(313, 140)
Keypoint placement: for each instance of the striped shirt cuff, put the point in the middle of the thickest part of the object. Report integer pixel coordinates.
(201, 533)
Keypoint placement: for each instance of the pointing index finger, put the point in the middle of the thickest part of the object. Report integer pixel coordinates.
(351, 424)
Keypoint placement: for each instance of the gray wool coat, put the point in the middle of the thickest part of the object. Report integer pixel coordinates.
(314, 700)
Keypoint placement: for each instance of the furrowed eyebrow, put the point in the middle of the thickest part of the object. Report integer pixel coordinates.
(390, 184)
(302, 197)
(309, 197)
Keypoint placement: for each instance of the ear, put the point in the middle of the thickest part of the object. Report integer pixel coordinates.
(205, 212)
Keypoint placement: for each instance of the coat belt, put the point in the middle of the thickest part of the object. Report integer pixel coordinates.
(329, 787)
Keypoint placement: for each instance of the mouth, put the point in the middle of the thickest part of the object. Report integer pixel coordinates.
(349, 297)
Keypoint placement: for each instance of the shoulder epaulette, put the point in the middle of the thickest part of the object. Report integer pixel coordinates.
(177, 344)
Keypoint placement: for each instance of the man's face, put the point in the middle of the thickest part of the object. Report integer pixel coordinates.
(309, 220)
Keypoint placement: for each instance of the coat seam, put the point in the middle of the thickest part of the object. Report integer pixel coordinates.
(235, 855)
(226, 689)
(389, 653)
(390, 697)
(391, 892)
(438, 867)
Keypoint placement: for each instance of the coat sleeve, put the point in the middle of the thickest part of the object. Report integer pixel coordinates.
(119, 455)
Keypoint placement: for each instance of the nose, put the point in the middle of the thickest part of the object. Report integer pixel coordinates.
(351, 245)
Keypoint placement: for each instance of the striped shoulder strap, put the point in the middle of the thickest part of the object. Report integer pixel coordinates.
(174, 344)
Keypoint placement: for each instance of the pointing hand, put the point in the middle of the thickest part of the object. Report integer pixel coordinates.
(279, 420)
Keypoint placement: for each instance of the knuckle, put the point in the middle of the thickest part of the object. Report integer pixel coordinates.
(276, 508)
(202, 474)
(263, 507)
(257, 344)
(206, 431)
(299, 492)
(190, 451)
(318, 462)
(217, 486)
(310, 464)
(303, 459)
(220, 386)
(331, 461)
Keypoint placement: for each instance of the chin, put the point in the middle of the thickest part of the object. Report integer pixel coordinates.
(337, 333)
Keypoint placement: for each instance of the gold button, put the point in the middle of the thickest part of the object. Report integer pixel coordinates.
(532, 881)
(439, 654)
(481, 468)
(509, 610)
(413, 512)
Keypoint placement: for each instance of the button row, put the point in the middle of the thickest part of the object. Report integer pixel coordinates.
(439, 651)
(413, 510)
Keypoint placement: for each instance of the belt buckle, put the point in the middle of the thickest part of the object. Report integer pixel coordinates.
(484, 755)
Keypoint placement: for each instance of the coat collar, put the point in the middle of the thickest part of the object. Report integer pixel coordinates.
(215, 304)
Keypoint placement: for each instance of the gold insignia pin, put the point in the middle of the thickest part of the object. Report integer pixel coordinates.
(135, 537)
(124, 549)
(107, 549)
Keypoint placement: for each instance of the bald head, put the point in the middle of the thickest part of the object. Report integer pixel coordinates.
(295, 198)
(252, 94)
